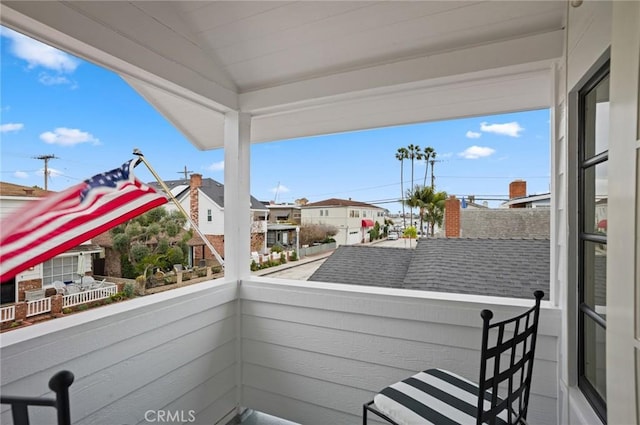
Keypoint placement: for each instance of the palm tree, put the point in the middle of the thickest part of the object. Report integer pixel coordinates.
(401, 155)
(414, 153)
(434, 209)
(416, 199)
(427, 155)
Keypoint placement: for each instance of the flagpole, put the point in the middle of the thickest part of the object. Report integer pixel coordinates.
(177, 203)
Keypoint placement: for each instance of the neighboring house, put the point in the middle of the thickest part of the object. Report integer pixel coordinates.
(283, 224)
(513, 268)
(470, 203)
(64, 267)
(353, 219)
(495, 222)
(518, 197)
(203, 199)
(282, 234)
(601, 215)
(283, 213)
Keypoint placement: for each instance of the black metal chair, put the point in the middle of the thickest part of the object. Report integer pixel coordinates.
(440, 397)
(59, 383)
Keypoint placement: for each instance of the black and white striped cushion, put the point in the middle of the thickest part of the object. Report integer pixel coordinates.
(435, 396)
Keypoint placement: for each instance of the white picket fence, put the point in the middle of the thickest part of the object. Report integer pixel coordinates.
(7, 313)
(40, 306)
(43, 305)
(89, 295)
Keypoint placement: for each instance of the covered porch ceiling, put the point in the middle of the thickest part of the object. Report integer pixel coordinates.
(303, 68)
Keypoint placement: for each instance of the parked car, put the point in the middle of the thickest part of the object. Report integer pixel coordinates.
(392, 236)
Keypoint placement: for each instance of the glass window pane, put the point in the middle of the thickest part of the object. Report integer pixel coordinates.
(595, 356)
(596, 120)
(595, 277)
(595, 198)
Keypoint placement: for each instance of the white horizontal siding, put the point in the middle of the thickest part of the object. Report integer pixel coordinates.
(322, 350)
(170, 351)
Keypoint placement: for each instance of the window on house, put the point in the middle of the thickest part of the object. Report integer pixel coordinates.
(364, 213)
(209, 215)
(321, 213)
(326, 213)
(593, 130)
(60, 268)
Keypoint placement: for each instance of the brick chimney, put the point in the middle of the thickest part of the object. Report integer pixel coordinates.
(452, 217)
(194, 184)
(517, 189)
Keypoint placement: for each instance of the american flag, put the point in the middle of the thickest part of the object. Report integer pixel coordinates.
(42, 229)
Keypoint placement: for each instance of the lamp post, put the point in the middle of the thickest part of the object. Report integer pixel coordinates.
(298, 242)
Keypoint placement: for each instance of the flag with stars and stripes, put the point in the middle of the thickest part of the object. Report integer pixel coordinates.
(42, 229)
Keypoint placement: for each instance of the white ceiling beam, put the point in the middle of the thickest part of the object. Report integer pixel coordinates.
(382, 78)
(474, 97)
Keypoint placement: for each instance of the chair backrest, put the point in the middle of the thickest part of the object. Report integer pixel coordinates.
(59, 383)
(506, 365)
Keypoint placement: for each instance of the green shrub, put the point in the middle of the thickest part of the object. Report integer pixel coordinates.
(128, 290)
(277, 248)
(254, 266)
(117, 296)
(66, 310)
(283, 258)
(293, 256)
(82, 307)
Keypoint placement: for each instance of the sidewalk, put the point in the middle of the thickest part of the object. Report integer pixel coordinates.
(290, 264)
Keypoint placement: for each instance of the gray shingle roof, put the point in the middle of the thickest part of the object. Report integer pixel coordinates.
(365, 265)
(210, 187)
(512, 268)
(505, 223)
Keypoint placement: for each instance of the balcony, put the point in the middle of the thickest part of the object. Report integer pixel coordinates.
(230, 74)
(308, 352)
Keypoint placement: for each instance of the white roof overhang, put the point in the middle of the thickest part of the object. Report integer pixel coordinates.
(308, 68)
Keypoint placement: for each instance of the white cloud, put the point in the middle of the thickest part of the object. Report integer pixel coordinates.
(54, 80)
(216, 166)
(475, 152)
(52, 172)
(512, 129)
(280, 189)
(37, 54)
(473, 134)
(13, 126)
(445, 155)
(21, 175)
(68, 137)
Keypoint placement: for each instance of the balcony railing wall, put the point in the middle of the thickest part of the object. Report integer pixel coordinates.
(175, 351)
(309, 352)
(313, 353)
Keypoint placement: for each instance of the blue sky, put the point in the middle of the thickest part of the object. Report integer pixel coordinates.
(90, 119)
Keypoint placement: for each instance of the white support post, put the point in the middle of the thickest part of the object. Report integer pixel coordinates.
(237, 198)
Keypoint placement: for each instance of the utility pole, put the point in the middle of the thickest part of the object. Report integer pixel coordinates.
(433, 179)
(185, 171)
(46, 159)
